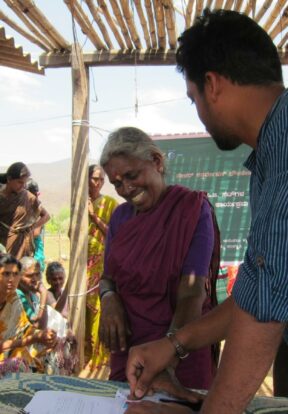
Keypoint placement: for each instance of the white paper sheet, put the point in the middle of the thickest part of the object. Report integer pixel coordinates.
(56, 322)
(62, 402)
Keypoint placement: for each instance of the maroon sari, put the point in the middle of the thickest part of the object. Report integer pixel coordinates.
(145, 261)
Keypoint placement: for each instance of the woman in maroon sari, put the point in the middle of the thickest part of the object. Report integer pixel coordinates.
(161, 251)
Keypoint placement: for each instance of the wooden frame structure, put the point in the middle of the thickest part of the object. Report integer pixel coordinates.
(120, 32)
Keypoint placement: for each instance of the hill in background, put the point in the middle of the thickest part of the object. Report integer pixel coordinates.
(54, 180)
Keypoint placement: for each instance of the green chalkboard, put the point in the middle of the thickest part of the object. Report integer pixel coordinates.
(197, 163)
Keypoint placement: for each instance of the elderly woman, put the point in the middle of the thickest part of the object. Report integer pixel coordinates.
(21, 214)
(33, 295)
(17, 335)
(100, 209)
(158, 255)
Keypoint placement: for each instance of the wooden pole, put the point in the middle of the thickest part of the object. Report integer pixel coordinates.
(79, 200)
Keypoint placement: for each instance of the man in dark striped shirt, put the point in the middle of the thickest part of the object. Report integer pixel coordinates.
(233, 75)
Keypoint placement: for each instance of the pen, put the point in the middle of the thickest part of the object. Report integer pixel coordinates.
(195, 406)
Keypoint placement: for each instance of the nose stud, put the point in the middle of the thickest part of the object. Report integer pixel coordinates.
(130, 187)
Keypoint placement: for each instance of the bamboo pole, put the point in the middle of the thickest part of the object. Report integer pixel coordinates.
(250, 7)
(274, 14)
(151, 22)
(283, 42)
(143, 23)
(79, 200)
(130, 23)
(170, 23)
(121, 22)
(39, 19)
(103, 6)
(98, 20)
(218, 4)
(21, 31)
(229, 4)
(238, 5)
(83, 21)
(263, 10)
(209, 4)
(159, 17)
(29, 25)
(280, 26)
(189, 11)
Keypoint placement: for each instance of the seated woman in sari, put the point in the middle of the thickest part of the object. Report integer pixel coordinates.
(21, 213)
(17, 336)
(33, 295)
(161, 257)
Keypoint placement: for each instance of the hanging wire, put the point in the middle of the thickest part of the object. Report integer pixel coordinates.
(93, 85)
(136, 105)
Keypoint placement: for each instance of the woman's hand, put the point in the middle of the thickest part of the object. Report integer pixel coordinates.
(148, 407)
(167, 381)
(48, 337)
(113, 323)
(90, 207)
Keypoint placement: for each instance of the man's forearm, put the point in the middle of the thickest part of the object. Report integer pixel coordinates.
(248, 354)
(208, 329)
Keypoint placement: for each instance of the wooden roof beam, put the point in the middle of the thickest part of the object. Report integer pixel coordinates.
(40, 20)
(16, 9)
(21, 31)
(101, 25)
(103, 6)
(127, 57)
(151, 22)
(84, 23)
(189, 11)
(160, 23)
(129, 17)
(143, 23)
(263, 10)
(122, 24)
(275, 13)
(170, 22)
(281, 25)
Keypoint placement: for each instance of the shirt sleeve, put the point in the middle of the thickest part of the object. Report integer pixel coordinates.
(198, 258)
(261, 286)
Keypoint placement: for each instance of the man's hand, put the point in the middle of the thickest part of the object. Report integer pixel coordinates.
(113, 323)
(145, 362)
(148, 407)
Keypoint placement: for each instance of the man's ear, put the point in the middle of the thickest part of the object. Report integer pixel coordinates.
(213, 85)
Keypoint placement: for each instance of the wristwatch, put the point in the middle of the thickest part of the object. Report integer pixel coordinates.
(180, 351)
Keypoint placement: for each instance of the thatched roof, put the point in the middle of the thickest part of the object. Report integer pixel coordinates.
(122, 31)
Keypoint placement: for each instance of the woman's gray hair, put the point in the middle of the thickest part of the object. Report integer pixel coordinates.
(129, 142)
(28, 261)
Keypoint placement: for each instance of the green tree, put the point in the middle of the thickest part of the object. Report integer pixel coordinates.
(59, 223)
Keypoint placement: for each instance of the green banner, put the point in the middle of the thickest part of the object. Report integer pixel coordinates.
(197, 163)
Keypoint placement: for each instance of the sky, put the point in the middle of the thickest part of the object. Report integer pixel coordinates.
(35, 122)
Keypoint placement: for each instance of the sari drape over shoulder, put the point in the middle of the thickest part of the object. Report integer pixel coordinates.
(96, 356)
(14, 324)
(145, 260)
(18, 213)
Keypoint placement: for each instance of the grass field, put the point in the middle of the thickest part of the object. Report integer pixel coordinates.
(57, 247)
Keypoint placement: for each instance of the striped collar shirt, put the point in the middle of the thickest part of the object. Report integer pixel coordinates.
(261, 287)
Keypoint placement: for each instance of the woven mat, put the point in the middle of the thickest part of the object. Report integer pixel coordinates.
(18, 389)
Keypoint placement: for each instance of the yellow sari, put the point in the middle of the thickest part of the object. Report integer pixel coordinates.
(97, 358)
(15, 325)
